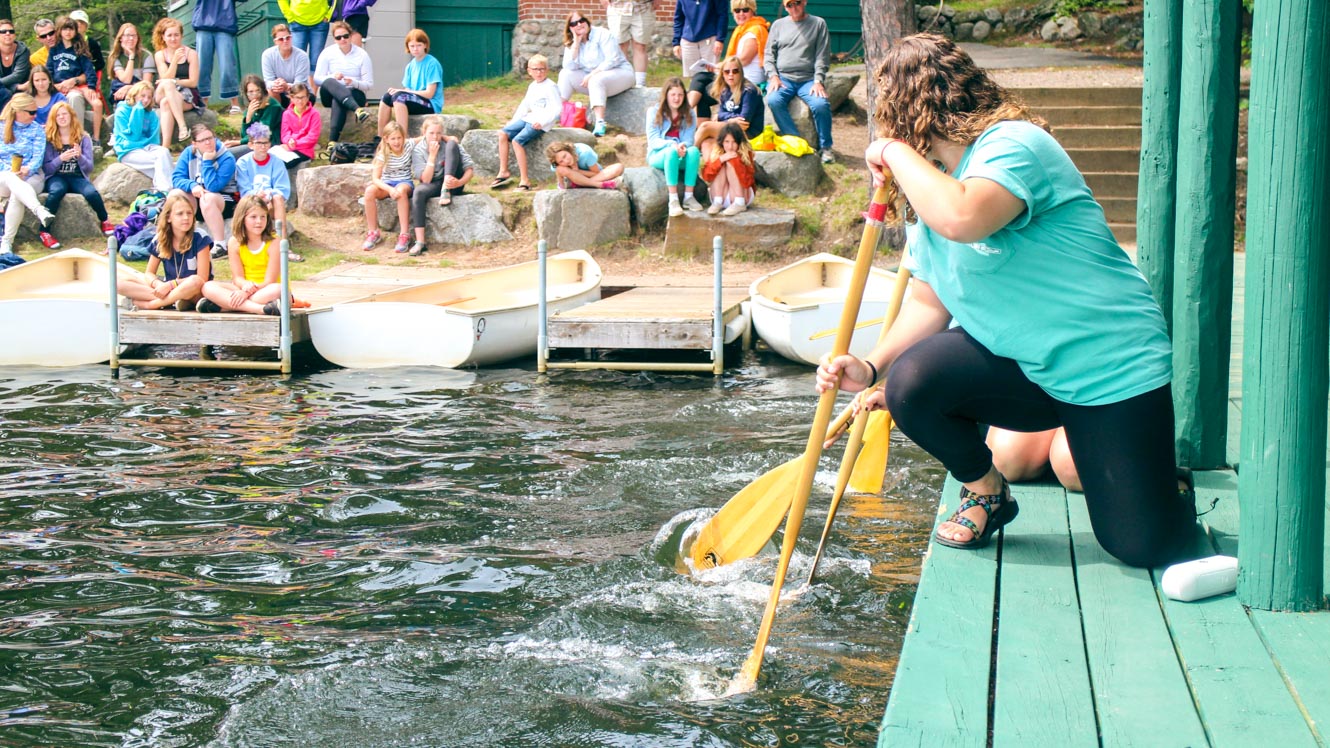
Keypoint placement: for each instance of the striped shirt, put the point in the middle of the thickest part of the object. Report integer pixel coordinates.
(396, 168)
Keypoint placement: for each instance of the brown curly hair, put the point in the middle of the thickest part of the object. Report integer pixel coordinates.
(927, 88)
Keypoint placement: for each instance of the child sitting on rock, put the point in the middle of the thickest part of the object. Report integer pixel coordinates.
(391, 177)
(538, 112)
(729, 171)
(577, 165)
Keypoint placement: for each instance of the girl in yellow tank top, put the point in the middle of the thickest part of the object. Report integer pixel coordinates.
(257, 288)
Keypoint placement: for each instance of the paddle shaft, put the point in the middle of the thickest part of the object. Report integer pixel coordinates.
(854, 445)
(747, 678)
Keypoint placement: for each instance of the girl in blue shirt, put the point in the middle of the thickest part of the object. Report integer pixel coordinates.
(670, 133)
(1025, 313)
(181, 252)
(422, 85)
(22, 144)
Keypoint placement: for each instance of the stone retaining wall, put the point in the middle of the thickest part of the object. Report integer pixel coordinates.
(1122, 27)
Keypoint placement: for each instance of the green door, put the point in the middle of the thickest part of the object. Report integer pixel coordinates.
(844, 20)
(472, 38)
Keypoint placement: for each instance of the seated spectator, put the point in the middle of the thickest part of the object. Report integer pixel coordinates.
(137, 136)
(130, 62)
(181, 252)
(729, 171)
(343, 74)
(747, 43)
(738, 101)
(206, 174)
(43, 93)
(301, 124)
(539, 110)
(259, 107)
(75, 75)
(256, 264)
(258, 173)
(283, 65)
(68, 166)
(797, 56)
(671, 130)
(422, 85)
(177, 88)
(594, 65)
(390, 178)
(44, 28)
(577, 165)
(15, 62)
(22, 142)
(443, 168)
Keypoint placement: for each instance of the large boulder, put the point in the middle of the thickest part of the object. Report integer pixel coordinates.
(839, 86)
(628, 110)
(649, 196)
(690, 234)
(470, 219)
(483, 147)
(332, 191)
(206, 116)
(74, 220)
(581, 218)
(789, 175)
(455, 125)
(121, 184)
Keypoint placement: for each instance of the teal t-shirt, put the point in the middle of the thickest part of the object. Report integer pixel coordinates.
(420, 73)
(586, 156)
(1051, 290)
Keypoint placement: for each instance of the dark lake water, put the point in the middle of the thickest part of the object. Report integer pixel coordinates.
(426, 557)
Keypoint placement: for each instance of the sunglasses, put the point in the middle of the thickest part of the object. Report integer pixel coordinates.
(6, 31)
(47, 35)
(578, 22)
(743, 10)
(729, 72)
(281, 38)
(29, 112)
(340, 37)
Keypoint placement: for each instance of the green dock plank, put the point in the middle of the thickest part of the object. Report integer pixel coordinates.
(1298, 643)
(940, 694)
(1140, 691)
(1043, 687)
(1240, 694)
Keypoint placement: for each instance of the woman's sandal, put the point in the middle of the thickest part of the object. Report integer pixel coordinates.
(446, 200)
(524, 187)
(501, 181)
(999, 507)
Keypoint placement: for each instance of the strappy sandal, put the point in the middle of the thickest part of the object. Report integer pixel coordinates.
(999, 507)
(524, 187)
(501, 181)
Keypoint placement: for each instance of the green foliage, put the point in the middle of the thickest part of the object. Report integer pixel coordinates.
(106, 16)
(1072, 7)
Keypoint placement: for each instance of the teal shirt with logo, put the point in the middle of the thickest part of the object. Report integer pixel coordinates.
(1052, 290)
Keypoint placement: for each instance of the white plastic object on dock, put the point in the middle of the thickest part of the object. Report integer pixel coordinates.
(1204, 577)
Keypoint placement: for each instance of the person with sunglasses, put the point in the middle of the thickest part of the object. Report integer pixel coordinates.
(44, 28)
(594, 65)
(699, 39)
(15, 65)
(343, 73)
(22, 143)
(738, 102)
(749, 40)
(283, 65)
(797, 57)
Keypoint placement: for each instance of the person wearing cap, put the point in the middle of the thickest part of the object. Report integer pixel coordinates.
(44, 28)
(80, 17)
(797, 56)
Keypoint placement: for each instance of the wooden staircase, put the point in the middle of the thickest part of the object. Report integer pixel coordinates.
(1101, 130)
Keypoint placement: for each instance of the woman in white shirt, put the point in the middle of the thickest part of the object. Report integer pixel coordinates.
(594, 65)
(343, 74)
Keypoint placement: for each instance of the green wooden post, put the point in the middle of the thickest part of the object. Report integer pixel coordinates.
(1202, 291)
(1282, 482)
(1159, 147)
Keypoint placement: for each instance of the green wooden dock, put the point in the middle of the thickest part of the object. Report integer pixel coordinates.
(1042, 639)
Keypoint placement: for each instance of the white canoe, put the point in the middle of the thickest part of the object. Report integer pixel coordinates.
(56, 311)
(797, 308)
(475, 319)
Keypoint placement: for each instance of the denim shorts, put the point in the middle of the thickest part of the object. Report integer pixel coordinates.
(521, 132)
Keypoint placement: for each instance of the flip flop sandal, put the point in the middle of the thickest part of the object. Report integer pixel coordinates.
(500, 181)
(524, 187)
(999, 507)
(446, 200)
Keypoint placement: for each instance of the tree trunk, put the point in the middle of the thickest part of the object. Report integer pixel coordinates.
(885, 21)
(5, 10)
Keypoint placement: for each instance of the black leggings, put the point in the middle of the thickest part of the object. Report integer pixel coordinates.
(340, 99)
(940, 389)
(426, 191)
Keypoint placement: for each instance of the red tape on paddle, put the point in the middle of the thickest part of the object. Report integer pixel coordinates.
(877, 212)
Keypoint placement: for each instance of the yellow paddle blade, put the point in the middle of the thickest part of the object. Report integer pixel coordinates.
(747, 521)
(871, 466)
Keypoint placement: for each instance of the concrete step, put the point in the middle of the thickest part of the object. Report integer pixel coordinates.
(1042, 97)
(1098, 136)
(1119, 209)
(1105, 159)
(1112, 183)
(1101, 116)
(1125, 233)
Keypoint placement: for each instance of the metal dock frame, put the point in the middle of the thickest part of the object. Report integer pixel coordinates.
(717, 351)
(282, 365)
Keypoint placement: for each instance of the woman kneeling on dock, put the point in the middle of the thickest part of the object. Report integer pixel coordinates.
(1054, 325)
(181, 252)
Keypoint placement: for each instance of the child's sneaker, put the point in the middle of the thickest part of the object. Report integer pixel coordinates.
(402, 242)
(715, 208)
(691, 203)
(362, 115)
(599, 130)
(416, 249)
(609, 184)
(49, 241)
(676, 210)
(371, 240)
(734, 209)
(108, 228)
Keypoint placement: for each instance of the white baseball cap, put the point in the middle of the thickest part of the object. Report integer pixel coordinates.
(80, 15)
